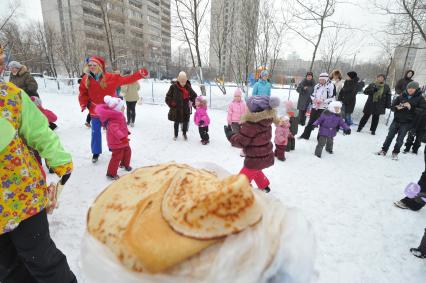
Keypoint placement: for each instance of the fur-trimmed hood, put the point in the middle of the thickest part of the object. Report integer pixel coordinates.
(256, 117)
(22, 71)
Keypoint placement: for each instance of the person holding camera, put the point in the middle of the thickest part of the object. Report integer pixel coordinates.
(379, 98)
(405, 108)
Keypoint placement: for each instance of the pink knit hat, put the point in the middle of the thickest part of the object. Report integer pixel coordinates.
(238, 92)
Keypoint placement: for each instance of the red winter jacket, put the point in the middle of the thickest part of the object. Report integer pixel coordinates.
(95, 93)
(255, 138)
(117, 132)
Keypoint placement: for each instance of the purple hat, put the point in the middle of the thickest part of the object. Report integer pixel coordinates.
(260, 103)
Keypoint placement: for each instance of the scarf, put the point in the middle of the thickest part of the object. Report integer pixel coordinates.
(378, 94)
(185, 92)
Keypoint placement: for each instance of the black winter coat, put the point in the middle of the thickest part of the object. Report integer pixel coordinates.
(401, 85)
(180, 111)
(305, 94)
(404, 115)
(348, 95)
(377, 108)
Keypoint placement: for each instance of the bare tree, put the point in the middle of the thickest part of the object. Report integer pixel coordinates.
(191, 15)
(243, 48)
(333, 48)
(270, 34)
(308, 14)
(12, 9)
(220, 34)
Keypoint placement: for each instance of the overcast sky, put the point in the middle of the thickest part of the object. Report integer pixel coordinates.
(358, 15)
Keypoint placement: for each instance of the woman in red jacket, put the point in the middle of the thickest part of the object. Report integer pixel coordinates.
(94, 86)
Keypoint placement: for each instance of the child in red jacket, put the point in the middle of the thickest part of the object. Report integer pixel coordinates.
(112, 114)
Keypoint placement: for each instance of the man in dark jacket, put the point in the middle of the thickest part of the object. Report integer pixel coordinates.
(416, 132)
(22, 78)
(401, 85)
(379, 98)
(405, 108)
(305, 89)
(348, 96)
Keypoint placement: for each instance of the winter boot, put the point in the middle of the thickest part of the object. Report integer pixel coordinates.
(420, 252)
(400, 204)
(267, 189)
(406, 150)
(113, 178)
(373, 133)
(185, 137)
(128, 168)
(95, 158)
(175, 138)
(329, 151)
(382, 153)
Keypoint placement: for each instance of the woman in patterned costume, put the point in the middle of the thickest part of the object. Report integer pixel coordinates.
(27, 253)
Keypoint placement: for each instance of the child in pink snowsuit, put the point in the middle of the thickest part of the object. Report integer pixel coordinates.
(112, 114)
(236, 110)
(201, 119)
(282, 134)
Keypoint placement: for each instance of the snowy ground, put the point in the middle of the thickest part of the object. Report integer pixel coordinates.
(347, 196)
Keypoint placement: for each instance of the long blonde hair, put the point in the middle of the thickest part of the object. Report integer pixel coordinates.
(102, 83)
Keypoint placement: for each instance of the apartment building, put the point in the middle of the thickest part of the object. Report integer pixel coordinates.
(228, 33)
(139, 30)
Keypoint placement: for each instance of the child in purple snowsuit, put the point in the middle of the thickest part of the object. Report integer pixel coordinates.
(201, 119)
(328, 123)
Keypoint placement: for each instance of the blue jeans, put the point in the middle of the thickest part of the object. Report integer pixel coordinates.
(96, 142)
(396, 128)
(348, 119)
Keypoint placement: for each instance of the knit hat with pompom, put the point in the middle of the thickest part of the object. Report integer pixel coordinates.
(261, 103)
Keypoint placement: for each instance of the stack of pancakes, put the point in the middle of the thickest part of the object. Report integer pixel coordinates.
(160, 216)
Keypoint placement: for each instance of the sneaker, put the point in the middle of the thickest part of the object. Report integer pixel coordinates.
(95, 158)
(185, 137)
(267, 189)
(382, 153)
(400, 204)
(417, 253)
(132, 125)
(113, 178)
(128, 168)
(394, 156)
(87, 125)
